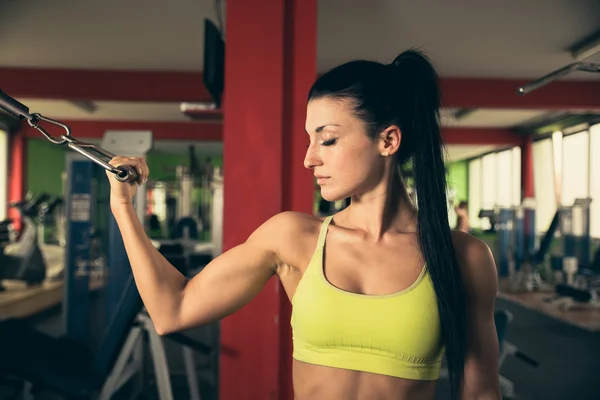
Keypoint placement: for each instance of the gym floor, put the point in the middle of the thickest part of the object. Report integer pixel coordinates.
(569, 359)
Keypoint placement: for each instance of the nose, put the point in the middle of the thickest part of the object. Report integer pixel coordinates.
(312, 158)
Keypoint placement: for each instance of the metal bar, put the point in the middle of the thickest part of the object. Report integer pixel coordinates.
(13, 107)
(552, 76)
(79, 147)
(191, 343)
(544, 80)
(124, 173)
(112, 383)
(190, 373)
(159, 359)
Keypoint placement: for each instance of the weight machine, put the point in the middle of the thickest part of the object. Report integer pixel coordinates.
(127, 326)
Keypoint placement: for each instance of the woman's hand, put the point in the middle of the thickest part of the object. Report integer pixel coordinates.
(122, 192)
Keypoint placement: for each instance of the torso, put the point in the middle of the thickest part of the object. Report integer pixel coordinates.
(356, 265)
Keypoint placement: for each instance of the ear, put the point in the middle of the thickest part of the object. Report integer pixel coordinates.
(389, 140)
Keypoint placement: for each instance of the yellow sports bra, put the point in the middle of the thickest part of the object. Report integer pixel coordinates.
(396, 334)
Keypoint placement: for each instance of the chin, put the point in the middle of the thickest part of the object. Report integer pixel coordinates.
(332, 196)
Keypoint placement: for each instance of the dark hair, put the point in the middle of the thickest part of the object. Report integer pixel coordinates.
(405, 93)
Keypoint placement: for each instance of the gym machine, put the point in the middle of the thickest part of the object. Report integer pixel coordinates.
(82, 376)
(515, 228)
(576, 238)
(22, 260)
(88, 264)
(92, 152)
(520, 258)
(198, 209)
(69, 368)
(580, 280)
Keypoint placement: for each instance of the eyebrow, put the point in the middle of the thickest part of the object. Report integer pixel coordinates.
(320, 128)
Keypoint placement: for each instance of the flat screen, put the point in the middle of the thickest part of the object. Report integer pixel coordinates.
(214, 61)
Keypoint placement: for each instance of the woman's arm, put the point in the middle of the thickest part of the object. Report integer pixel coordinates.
(481, 379)
(224, 285)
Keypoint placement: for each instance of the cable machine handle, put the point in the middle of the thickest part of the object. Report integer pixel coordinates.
(123, 173)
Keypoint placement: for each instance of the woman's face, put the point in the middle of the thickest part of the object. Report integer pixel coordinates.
(343, 158)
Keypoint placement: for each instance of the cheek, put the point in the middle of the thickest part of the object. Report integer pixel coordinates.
(355, 167)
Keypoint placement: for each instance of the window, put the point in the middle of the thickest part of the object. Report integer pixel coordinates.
(508, 178)
(488, 181)
(543, 180)
(575, 167)
(494, 181)
(594, 155)
(3, 174)
(516, 176)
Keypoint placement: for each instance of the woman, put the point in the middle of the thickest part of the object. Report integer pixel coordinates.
(379, 291)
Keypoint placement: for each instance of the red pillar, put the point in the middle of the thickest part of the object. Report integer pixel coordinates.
(527, 188)
(270, 65)
(16, 173)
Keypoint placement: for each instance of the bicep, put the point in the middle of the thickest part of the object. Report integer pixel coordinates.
(226, 284)
(234, 278)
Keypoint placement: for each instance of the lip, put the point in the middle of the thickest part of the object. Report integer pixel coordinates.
(321, 179)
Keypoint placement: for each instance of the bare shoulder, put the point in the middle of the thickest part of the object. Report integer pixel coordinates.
(286, 223)
(477, 265)
(289, 234)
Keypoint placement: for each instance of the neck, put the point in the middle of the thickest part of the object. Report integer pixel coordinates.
(386, 209)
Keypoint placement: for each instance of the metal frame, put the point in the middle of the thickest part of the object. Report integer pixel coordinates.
(127, 365)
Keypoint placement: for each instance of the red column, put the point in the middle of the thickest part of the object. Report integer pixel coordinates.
(270, 65)
(16, 174)
(298, 184)
(527, 188)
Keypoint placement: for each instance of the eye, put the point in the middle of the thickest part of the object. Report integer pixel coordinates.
(329, 142)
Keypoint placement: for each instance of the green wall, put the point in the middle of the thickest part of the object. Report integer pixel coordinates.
(458, 178)
(46, 163)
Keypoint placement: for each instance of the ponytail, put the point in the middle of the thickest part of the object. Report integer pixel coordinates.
(419, 123)
(414, 107)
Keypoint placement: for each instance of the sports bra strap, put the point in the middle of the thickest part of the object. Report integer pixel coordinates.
(323, 233)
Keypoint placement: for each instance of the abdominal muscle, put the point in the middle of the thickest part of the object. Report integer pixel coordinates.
(315, 382)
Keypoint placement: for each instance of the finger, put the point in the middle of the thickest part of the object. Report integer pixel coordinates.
(116, 161)
(145, 169)
(138, 164)
(142, 168)
(133, 162)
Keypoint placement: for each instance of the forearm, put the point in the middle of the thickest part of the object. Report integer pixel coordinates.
(160, 284)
